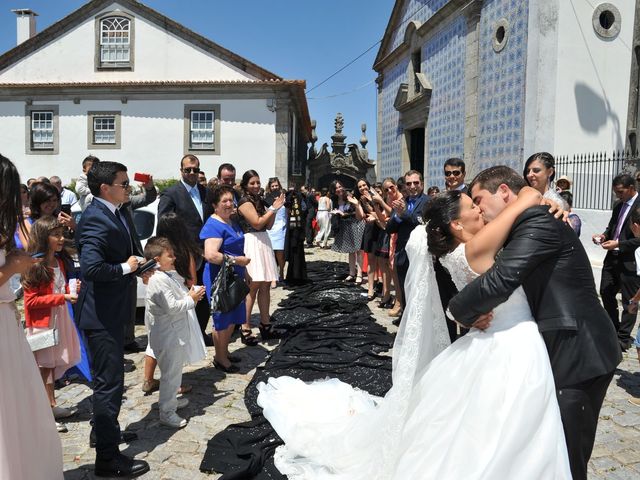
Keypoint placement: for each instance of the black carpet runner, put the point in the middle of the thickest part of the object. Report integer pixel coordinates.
(329, 332)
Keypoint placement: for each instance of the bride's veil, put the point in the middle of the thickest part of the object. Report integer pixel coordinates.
(422, 336)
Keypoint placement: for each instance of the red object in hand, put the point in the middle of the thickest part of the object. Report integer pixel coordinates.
(141, 177)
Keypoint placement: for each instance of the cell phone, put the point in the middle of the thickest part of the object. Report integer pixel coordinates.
(372, 192)
(141, 177)
(145, 267)
(38, 255)
(66, 208)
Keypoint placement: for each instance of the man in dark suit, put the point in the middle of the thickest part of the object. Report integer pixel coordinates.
(188, 199)
(619, 268)
(454, 172)
(407, 214)
(545, 256)
(106, 263)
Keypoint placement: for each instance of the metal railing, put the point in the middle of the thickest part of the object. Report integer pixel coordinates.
(592, 174)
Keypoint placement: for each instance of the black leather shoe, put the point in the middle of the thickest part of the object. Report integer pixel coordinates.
(120, 466)
(133, 347)
(125, 437)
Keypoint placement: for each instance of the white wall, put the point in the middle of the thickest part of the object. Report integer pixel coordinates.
(592, 83)
(151, 137)
(158, 56)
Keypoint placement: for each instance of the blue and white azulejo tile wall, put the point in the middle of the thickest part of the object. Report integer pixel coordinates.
(414, 10)
(443, 62)
(501, 85)
(391, 131)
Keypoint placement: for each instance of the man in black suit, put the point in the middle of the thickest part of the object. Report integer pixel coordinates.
(106, 263)
(407, 214)
(188, 199)
(545, 256)
(454, 172)
(619, 268)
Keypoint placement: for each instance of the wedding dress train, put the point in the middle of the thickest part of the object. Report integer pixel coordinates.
(483, 408)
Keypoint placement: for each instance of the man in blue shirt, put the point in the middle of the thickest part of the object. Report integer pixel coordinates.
(407, 214)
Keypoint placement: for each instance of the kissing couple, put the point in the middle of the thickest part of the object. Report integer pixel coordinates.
(518, 397)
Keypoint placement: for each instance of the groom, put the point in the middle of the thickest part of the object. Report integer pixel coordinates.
(545, 256)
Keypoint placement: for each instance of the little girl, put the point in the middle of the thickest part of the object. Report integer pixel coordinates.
(46, 293)
(168, 304)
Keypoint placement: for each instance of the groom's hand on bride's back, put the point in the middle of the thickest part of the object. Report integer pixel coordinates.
(483, 321)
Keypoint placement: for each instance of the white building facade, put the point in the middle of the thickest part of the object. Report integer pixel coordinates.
(122, 82)
(493, 81)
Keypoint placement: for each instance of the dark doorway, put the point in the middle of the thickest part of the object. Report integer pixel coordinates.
(416, 149)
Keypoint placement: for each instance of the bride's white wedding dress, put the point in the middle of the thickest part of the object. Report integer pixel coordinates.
(483, 408)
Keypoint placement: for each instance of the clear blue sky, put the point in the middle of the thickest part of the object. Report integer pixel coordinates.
(296, 39)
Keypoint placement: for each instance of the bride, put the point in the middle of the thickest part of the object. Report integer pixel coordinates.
(481, 408)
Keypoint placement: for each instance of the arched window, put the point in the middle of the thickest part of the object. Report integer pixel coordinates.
(115, 41)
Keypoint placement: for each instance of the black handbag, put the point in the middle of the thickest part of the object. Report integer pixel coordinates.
(228, 290)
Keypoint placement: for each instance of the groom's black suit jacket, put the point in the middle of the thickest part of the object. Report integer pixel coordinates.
(544, 255)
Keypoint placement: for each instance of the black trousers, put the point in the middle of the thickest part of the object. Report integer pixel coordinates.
(130, 323)
(309, 232)
(107, 359)
(202, 308)
(616, 278)
(401, 263)
(579, 407)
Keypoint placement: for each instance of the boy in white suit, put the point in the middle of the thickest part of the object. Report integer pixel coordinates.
(167, 303)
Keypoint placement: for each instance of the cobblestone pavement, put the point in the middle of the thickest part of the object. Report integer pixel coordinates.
(217, 400)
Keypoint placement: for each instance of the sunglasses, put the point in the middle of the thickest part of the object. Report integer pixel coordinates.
(416, 183)
(123, 185)
(455, 173)
(191, 170)
(390, 188)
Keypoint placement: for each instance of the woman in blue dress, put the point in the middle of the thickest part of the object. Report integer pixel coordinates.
(223, 237)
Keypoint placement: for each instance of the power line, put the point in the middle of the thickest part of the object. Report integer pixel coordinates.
(344, 93)
(366, 51)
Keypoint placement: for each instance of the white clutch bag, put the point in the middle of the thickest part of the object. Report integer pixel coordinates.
(45, 339)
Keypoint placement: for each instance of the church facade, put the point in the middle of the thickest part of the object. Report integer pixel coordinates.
(493, 81)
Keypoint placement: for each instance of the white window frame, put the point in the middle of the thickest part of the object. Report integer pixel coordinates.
(51, 126)
(91, 130)
(212, 144)
(114, 36)
(42, 124)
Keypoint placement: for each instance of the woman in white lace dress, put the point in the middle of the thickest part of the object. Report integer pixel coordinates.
(483, 408)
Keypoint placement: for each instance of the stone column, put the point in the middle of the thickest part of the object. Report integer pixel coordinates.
(379, 82)
(283, 142)
(633, 116)
(471, 72)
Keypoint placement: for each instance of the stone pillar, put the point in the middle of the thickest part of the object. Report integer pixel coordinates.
(379, 82)
(283, 142)
(632, 142)
(472, 72)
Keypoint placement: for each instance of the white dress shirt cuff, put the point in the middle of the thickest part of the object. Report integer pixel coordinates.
(126, 268)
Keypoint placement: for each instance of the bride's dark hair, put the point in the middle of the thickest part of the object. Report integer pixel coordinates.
(439, 213)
